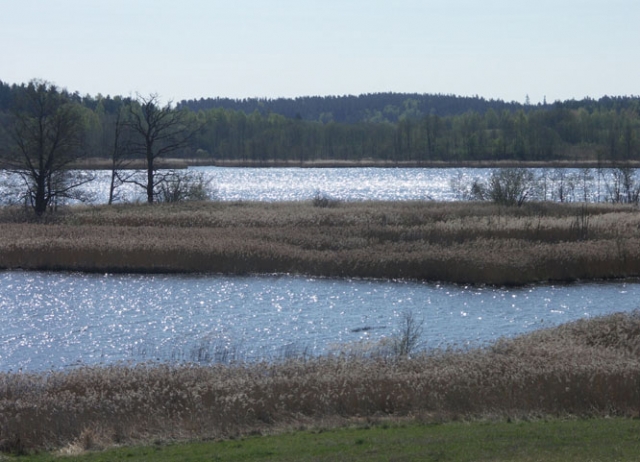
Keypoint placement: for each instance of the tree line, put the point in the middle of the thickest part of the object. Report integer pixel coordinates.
(557, 133)
(371, 107)
(45, 129)
(387, 127)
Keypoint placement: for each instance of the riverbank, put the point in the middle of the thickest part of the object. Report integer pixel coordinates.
(463, 242)
(585, 369)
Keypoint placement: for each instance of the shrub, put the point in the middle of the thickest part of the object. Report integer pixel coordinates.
(322, 200)
(408, 338)
(506, 186)
(511, 186)
(185, 186)
(624, 186)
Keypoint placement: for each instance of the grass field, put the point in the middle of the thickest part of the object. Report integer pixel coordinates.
(552, 440)
(452, 242)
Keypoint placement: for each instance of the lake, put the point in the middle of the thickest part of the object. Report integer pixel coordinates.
(57, 320)
(356, 184)
(296, 184)
(60, 320)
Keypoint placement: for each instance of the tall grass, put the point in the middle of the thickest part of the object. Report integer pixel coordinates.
(456, 242)
(585, 368)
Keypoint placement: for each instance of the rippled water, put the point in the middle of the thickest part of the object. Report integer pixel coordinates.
(57, 320)
(350, 184)
(54, 320)
(354, 184)
(296, 184)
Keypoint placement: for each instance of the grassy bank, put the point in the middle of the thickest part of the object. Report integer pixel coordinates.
(585, 369)
(555, 440)
(454, 242)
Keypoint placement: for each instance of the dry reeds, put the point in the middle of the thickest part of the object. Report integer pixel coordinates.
(585, 368)
(455, 242)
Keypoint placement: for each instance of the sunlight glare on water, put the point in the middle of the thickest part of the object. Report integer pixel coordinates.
(300, 184)
(353, 184)
(53, 320)
(287, 184)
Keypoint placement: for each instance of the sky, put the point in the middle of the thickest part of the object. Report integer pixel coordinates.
(191, 49)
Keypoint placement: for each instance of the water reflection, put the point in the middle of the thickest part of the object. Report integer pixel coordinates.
(296, 184)
(355, 184)
(52, 320)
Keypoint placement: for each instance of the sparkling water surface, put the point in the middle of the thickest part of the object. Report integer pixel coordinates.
(298, 184)
(58, 320)
(348, 184)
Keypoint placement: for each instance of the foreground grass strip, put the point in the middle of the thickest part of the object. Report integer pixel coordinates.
(554, 440)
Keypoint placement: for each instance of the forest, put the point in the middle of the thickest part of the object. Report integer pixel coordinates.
(388, 127)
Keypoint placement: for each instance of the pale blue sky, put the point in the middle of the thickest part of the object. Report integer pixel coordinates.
(504, 49)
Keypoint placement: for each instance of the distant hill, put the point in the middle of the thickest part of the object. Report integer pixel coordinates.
(372, 107)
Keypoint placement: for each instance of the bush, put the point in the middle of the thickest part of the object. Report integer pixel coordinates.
(507, 186)
(408, 339)
(185, 186)
(322, 200)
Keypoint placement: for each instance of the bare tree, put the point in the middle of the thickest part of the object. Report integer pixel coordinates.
(511, 186)
(506, 186)
(159, 130)
(120, 155)
(407, 340)
(624, 186)
(47, 134)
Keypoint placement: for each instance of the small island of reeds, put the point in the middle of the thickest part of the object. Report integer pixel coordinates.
(461, 242)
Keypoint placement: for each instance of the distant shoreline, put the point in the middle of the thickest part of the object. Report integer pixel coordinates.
(171, 163)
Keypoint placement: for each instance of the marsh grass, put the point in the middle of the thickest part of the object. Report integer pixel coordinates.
(588, 368)
(454, 242)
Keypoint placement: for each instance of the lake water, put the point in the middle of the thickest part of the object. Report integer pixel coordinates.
(58, 320)
(356, 184)
(298, 184)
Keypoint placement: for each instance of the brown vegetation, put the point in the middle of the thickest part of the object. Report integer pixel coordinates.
(455, 242)
(585, 368)
(97, 163)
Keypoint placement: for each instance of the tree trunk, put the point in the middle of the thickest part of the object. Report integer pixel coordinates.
(150, 175)
(40, 200)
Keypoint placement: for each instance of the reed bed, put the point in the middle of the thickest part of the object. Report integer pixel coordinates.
(453, 242)
(589, 368)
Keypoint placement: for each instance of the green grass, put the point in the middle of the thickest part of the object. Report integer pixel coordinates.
(554, 440)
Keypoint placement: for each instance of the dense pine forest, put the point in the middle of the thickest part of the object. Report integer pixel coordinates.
(389, 127)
